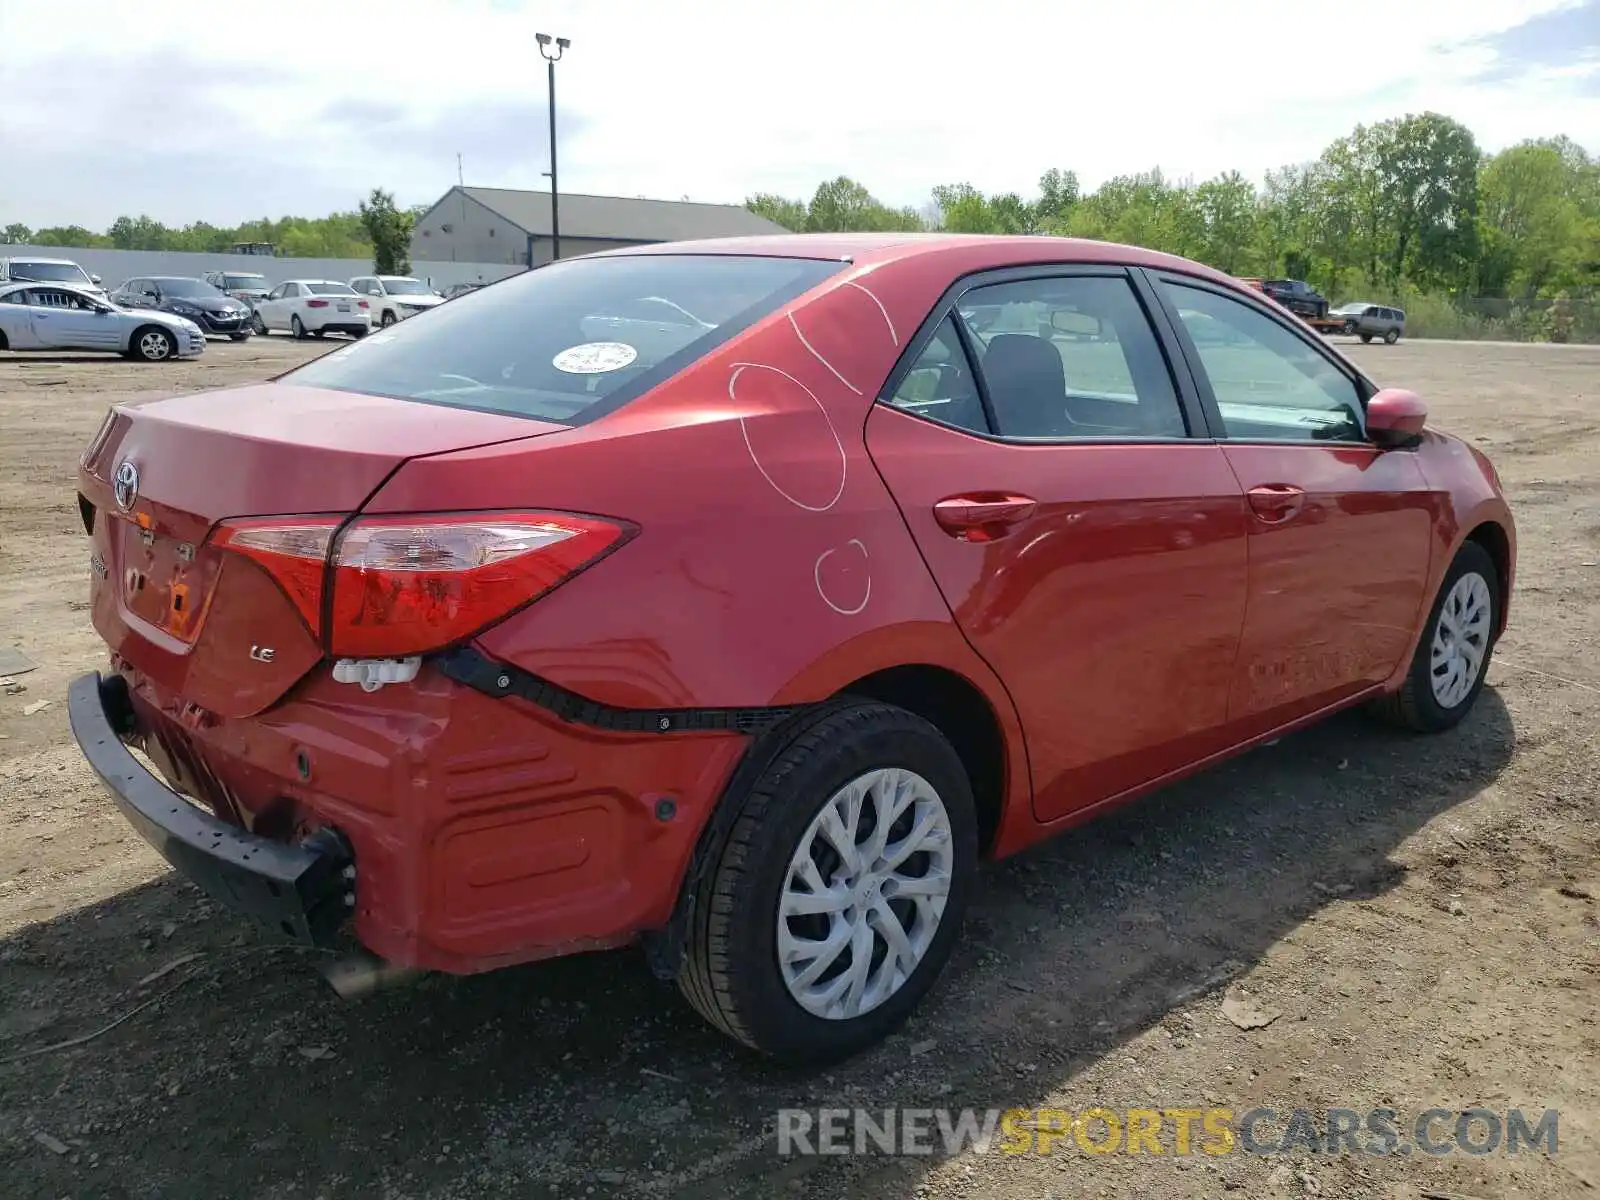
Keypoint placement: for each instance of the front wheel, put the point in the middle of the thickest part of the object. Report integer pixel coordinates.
(151, 344)
(296, 328)
(1348, 328)
(835, 899)
(388, 318)
(258, 325)
(1452, 658)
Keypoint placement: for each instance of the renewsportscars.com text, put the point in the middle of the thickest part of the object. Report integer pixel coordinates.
(1167, 1131)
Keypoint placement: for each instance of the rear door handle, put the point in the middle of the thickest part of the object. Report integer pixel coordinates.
(983, 516)
(1275, 502)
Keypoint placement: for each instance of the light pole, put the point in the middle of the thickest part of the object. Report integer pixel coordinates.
(552, 57)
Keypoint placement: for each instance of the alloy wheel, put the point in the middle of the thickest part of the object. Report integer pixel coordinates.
(154, 345)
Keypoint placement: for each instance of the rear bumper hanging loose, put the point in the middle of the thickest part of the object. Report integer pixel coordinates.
(302, 890)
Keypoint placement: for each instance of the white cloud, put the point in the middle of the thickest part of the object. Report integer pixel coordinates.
(219, 113)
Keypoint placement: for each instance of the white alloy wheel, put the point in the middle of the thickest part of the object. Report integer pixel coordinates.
(155, 345)
(1460, 640)
(864, 893)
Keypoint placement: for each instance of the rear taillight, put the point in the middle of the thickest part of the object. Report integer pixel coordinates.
(362, 304)
(404, 585)
(316, 304)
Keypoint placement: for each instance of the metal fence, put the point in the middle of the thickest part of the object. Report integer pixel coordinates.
(115, 266)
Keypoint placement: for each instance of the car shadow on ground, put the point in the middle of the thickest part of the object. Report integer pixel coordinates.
(548, 1080)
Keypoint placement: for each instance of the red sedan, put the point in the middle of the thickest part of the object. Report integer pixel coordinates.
(736, 597)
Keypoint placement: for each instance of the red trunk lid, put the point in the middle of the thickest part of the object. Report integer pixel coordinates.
(209, 625)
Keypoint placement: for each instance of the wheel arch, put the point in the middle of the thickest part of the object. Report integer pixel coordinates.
(1492, 536)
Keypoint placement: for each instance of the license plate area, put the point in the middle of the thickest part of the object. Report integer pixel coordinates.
(163, 580)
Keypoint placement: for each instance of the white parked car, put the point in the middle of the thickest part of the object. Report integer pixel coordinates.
(53, 316)
(395, 297)
(312, 308)
(49, 270)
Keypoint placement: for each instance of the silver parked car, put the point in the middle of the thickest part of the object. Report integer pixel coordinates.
(52, 316)
(1370, 321)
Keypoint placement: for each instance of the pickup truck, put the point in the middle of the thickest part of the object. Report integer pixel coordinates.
(1297, 296)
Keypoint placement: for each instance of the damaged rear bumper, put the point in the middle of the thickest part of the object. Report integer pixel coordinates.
(303, 890)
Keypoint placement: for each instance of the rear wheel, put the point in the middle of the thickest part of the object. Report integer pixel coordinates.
(1452, 657)
(1391, 337)
(834, 901)
(153, 344)
(1348, 328)
(296, 328)
(1366, 337)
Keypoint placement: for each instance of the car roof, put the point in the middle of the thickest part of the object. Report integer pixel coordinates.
(340, 282)
(186, 278)
(39, 258)
(17, 285)
(873, 248)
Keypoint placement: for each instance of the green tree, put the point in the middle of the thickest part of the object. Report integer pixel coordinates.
(1226, 207)
(843, 205)
(780, 210)
(17, 234)
(1429, 169)
(389, 231)
(1058, 196)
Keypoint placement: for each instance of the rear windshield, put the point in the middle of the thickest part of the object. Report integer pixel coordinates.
(571, 340)
(330, 289)
(406, 287)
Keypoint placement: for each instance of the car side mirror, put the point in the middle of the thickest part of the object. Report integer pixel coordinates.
(1395, 417)
(94, 279)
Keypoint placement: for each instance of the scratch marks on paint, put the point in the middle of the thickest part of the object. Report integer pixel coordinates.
(837, 582)
(838, 445)
(893, 337)
(817, 354)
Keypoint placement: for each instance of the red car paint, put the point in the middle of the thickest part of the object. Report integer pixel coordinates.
(1128, 613)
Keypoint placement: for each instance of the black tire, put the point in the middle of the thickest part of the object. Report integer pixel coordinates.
(151, 343)
(1366, 337)
(388, 318)
(1348, 329)
(319, 333)
(1391, 337)
(238, 337)
(258, 325)
(1414, 706)
(730, 972)
(361, 333)
(4, 345)
(296, 328)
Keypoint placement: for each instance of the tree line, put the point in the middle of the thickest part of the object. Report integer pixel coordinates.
(1409, 206)
(375, 225)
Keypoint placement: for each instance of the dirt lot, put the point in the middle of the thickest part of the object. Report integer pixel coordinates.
(1423, 913)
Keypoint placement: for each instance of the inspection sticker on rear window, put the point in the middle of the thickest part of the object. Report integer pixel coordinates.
(594, 358)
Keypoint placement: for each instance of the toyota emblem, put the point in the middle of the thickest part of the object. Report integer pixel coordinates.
(125, 485)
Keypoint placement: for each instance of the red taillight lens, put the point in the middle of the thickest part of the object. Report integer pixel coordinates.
(411, 584)
(316, 304)
(294, 553)
(362, 304)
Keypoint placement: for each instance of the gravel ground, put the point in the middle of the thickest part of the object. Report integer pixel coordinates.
(1422, 917)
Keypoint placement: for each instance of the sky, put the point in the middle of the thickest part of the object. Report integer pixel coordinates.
(227, 112)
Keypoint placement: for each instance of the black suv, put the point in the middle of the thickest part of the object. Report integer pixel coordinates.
(216, 312)
(1297, 296)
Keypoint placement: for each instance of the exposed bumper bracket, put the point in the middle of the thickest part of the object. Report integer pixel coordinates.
(299, 889)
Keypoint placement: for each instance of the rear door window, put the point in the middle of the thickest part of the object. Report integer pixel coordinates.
(570, 340)
(1071, 357)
